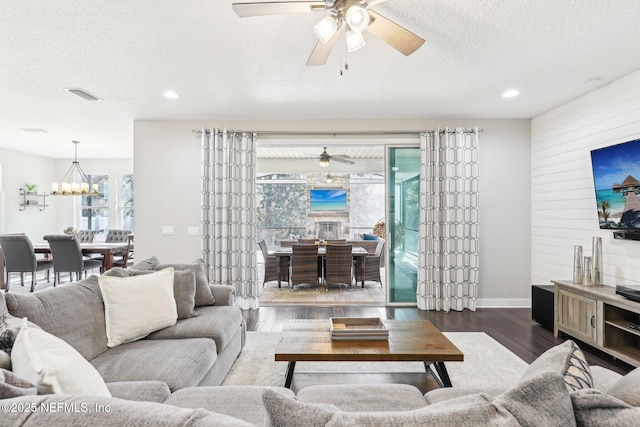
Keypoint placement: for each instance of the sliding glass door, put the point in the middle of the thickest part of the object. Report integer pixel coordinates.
(403, 193)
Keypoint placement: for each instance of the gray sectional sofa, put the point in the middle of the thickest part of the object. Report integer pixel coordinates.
(172, 377)
(196, 351)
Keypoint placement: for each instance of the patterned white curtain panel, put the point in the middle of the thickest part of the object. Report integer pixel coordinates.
(449, 222)
(228, 212)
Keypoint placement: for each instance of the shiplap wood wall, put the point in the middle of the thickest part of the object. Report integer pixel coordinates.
(563, 201)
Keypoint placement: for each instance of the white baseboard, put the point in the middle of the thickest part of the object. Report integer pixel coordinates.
(504, 303)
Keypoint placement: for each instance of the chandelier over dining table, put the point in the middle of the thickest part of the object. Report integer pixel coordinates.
(75, 182)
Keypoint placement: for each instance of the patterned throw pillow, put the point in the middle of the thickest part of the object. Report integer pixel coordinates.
(566, 359)
(577, 374)
(9, 329)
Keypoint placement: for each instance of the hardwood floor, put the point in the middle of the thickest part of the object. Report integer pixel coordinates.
(512, 327)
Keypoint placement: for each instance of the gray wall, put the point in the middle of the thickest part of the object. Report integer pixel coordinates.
(167, 192)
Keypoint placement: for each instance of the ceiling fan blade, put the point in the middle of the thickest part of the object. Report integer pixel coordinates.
(276, 7)
(393, 34)
(341, 160)
(375, 2)
(322, 51)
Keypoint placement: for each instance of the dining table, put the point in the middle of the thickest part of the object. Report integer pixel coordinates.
(107, 250)
(282, 253)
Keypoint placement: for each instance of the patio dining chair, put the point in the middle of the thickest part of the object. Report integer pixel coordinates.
(271, 267)
(67, 257)
(338, 266)
(20, 257)
(304, 265)
(373, 263)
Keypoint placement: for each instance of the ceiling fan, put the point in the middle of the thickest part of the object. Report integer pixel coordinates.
(325, 158)
(350, 17)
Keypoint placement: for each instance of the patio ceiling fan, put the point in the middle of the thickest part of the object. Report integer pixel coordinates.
(325, 158)
(348, 17)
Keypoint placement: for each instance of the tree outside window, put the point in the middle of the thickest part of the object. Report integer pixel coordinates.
(281, 207)
(126, 202)
(95, 209)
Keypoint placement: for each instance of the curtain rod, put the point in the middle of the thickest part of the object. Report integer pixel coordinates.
(352, 134)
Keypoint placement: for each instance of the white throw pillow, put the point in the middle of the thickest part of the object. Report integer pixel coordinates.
(52, 365)
(138, 305)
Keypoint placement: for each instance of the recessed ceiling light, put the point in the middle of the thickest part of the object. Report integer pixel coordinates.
(171, 95)
(511, 93)
(82, 93)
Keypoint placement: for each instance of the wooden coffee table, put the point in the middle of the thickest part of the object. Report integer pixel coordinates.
(409, 341)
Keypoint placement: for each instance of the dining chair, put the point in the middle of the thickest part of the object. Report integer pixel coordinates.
(20, 258)
(126, 259)
(372, 263)
(117, 236)
(68, 258)
(86, 236)
(304, 265)
(338, 266)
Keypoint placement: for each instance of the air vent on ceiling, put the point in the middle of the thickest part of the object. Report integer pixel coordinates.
(82, 93)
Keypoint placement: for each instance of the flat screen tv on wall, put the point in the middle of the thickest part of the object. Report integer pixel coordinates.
(616, 174)
(323, 199)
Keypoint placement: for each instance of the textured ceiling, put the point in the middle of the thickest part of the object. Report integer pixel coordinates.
(224, 67)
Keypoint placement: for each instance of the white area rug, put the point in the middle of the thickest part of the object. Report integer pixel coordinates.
(486, 363)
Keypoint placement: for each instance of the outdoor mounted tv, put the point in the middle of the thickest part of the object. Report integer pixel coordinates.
(334, 199)
(616, 175)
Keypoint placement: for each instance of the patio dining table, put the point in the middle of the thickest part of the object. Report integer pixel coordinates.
(359, 255)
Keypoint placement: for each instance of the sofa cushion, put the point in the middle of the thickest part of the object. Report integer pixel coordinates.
(568, 360)
(627, 388)
(366, 397)
(136, 306)
(284, 410)
(142, 391)
(116, 412)
(603, 378)
(184, 293)
(219, 323)
(593, 408)
(11, 385)
(184, 287)
(243, 402)
(179, 363)
(146, 264)
(203, 293)
(446, 393)
(61, 310)
(542, 400)
(53, 366)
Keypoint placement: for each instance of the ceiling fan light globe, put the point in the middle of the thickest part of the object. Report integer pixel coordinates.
(323, 163)
(355, 41)
(325, 29)
(357, 18)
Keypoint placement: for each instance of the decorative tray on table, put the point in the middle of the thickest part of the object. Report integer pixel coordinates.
(358, 328)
